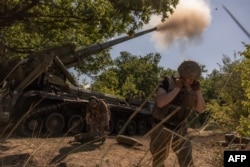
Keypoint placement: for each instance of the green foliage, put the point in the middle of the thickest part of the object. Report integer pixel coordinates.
(32, 25)
(107, 82)
(208, 85)
(224, 94)
(131, 74)
(244, 127)
(220, 116)
(27, 26)
(246, 74)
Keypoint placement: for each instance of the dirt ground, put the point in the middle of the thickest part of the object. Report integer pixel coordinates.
(57, 152)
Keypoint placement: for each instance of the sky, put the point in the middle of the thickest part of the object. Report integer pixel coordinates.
(219, 36)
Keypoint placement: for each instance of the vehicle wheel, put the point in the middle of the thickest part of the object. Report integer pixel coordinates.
(131, 128)
(111, 126)
(55, 123)
(119, 125)
(75, 124)
(142, 127)
(32, 126)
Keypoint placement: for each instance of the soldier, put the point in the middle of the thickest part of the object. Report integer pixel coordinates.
(175, 98)
(97, 116)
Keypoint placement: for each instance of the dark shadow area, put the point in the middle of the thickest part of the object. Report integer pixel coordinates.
(129, 147)
(75, 148)
(16, 160)
(2, 146)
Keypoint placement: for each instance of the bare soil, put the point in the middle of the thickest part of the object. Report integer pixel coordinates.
(58, 152)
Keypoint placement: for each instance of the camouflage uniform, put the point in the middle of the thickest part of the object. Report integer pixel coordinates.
(173, 133)
(97, 117)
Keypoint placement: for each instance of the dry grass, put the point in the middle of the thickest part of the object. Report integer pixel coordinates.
(38, 152)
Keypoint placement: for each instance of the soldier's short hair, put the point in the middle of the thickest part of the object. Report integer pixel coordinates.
(189, 69)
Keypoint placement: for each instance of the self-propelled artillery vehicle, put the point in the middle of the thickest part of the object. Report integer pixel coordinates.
(37, 99)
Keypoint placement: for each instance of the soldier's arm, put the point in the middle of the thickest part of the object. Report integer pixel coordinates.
(200, 103)
(167, 91)
(163, 97)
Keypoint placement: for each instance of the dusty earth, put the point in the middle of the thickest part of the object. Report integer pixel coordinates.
(57, 152)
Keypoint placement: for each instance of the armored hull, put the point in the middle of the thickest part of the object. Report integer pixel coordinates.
(39, 97)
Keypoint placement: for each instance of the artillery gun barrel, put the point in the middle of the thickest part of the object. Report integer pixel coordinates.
(236, 21)
(41, 79)
(71, 61)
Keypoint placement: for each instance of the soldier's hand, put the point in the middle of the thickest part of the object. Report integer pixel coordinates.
(179, 83)
(195, 85)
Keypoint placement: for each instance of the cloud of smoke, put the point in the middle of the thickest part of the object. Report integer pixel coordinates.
(185, 25)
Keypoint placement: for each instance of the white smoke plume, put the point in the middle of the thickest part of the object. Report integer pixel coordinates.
(185, 25)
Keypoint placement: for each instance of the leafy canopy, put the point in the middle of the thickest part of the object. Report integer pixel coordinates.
(244, 128)
(31, 25)
(131, 75)
(225, 93)
(27, 26)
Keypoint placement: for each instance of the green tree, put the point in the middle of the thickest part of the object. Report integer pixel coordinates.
(27, 26)
(137, 75)
(225, 94)
(31, 25)
(107, 82)
(244, 127)
(209, 83)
